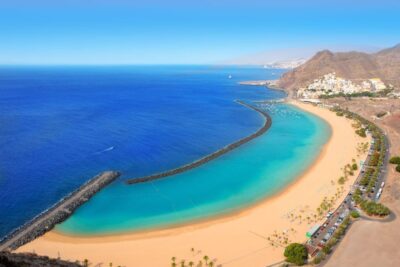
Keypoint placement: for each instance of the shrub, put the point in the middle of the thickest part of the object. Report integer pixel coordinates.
(395, 160)
(374, 159)
(361, 132)
(320, 257)
(296, 253)
(354, 214)
(341, 180)
(398, 168)
(340, 114)
(327, 249)
(373, 208)
(354, 167)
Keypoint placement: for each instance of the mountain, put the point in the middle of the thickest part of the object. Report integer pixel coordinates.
(287, 64)
(384, 64)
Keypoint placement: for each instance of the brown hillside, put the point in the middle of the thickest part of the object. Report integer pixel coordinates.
(350, 65)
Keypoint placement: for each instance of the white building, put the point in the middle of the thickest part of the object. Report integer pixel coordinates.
(330, 84)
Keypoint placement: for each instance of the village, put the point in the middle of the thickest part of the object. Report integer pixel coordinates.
(332, 85)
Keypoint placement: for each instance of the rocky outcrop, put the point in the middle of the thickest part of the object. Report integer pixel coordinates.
(8, 259)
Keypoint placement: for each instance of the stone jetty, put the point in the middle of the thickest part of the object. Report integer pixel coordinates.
(216, 154)
(57, 213)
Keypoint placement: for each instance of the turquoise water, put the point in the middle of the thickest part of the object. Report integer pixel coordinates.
(62, 125)
(229, 183)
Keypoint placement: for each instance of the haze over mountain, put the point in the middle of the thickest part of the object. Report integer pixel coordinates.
(300, 54)
(384, 64)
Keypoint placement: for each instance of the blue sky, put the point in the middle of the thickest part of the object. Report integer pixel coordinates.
(188, 32)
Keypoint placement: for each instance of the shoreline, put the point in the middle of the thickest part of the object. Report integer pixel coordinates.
(270, 84)
(214, 234)
(57, 213)
(196, 223)
(263, 129)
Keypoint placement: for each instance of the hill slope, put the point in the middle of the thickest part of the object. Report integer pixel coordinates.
(349, 65)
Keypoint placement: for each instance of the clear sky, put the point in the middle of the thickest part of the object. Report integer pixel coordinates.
(186, 31)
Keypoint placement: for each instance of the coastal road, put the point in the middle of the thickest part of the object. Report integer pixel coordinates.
(64, 206)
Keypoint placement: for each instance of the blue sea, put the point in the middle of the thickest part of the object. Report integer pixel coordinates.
(60, 126)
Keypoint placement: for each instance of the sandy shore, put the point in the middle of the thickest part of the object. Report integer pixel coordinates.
(236, 240)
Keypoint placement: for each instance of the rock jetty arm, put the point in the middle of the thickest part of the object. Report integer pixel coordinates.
(58, 213)
(216, 154)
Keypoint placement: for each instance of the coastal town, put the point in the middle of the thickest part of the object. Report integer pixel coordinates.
(330, 85)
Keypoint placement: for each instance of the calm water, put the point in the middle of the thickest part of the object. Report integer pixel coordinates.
(233, 181)
(60, 126)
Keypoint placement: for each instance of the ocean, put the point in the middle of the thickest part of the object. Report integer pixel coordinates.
(62, 125)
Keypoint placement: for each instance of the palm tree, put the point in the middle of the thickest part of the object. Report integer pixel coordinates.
(173, 264)
(110, 264)
(173, 259)
(86, 262)
(211, 264)
(205, 258)
(182, 263)
(191, 263)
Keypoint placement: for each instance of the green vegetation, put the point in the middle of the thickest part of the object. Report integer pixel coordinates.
(354, 167)
(357, 196)
(371, 174)
(367, 176)
(204, 260)
(354, 214)
(374, 159)
(361, 132)
(382, 93)
(319, 258)
(395, 160)
(296, 253)
(373, 208)
(327, 249)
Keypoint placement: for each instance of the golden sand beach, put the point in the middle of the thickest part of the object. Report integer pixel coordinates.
(241, 239)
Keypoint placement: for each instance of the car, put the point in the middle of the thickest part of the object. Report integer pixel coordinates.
(326, 237)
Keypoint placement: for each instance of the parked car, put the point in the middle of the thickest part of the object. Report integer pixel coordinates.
(326, 237)
(332, 230)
